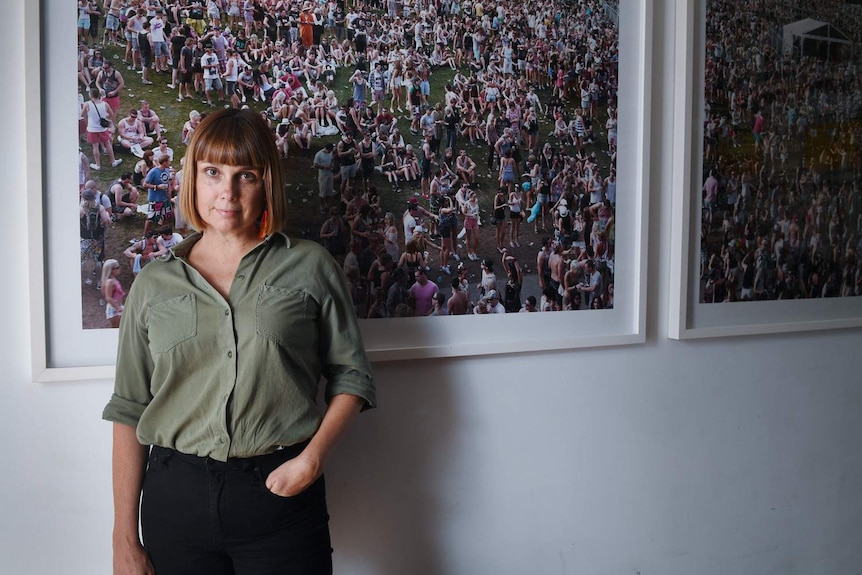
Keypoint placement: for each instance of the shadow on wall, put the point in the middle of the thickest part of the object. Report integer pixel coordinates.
(381, 484)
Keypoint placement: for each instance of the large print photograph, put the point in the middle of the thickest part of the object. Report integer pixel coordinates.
(454, 157)
(781, 215)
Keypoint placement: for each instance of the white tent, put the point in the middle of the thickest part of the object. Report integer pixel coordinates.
(812, 31)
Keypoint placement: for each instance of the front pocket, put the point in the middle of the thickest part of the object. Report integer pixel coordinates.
(171, 322)
(285, 316)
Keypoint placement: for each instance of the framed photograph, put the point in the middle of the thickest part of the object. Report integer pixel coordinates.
(63, 349)
(767, 209)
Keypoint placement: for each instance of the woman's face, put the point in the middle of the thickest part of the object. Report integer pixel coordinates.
(230, 199)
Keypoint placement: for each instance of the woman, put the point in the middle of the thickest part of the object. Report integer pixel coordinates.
(190, 126)
(516, 214)
(396, 87)
(390, 236)
(471, 224)
(506, 173)
(514, 281)
(448, 225)
(499, 218)
(112, 292)
(489, 278)
(411, 260)
(206, 358)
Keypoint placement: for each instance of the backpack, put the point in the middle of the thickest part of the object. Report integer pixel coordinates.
(91, 223)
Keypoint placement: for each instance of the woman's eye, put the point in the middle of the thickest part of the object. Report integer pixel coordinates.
(210, 171)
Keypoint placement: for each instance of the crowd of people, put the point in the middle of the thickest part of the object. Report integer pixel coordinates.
(521, 140)
(782, 209)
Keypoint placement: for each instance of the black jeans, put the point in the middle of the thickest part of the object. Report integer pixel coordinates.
(202, 516)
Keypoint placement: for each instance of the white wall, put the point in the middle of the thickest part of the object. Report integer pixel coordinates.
(716, 457)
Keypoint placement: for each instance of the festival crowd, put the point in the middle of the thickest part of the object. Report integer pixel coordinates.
(782, 211)
(529, 105)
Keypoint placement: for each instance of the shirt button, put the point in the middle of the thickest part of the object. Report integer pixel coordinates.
(240, 277)
(227, 312)
(221, 440)
(230, 354)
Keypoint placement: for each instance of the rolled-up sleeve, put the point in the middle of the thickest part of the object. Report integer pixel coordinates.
(134, 365)
(345, 364)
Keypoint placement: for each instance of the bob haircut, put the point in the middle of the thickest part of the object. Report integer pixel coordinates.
(236, 138)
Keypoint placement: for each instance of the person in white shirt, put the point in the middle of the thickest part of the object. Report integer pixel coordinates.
(160, 43)
(163, 150)
(166, 239)
(132, 135)
(492, 301)
(209, 63)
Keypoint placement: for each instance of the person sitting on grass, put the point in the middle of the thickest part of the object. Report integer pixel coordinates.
(132, 135)
(124, 197)
(466, 167)
(142, 251)
(302, 135)
(166, 239)
(151, 121)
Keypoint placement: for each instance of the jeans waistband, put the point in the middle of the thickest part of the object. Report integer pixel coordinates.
(281, 454)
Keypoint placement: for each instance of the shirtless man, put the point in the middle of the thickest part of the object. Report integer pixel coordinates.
(150, 119)
(112, 21)
(557, 266)
(457, 303)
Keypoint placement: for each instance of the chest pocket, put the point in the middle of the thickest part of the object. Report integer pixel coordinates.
(285, 316)
(171, 322)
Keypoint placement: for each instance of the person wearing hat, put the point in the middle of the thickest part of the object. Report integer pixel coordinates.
(564, 226)
(94, 219)
(212, 81)
(324, 161)
(306, 25)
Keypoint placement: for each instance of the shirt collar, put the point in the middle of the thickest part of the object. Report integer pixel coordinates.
(182, 249)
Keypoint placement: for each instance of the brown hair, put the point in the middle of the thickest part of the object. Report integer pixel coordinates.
(237, 138)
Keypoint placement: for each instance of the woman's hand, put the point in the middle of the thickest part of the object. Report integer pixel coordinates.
(132, 559)
(294, 476)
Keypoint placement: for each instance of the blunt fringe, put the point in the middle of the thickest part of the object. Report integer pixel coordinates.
(237, 138)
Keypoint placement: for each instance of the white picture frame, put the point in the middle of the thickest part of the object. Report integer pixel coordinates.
(689, 319)
(62, 350)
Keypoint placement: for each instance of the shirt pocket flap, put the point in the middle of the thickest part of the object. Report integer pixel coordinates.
(171, 322)
(285, 315)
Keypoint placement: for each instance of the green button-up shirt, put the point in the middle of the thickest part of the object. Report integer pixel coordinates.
(238, 377)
